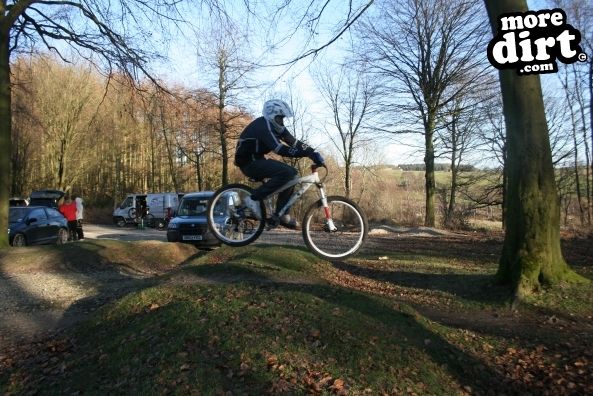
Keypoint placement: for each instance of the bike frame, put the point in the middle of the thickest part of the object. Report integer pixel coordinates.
(306, 182)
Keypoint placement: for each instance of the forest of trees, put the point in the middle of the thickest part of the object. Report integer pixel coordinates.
(74, 130)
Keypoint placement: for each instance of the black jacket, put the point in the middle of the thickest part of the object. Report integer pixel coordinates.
(259, 138)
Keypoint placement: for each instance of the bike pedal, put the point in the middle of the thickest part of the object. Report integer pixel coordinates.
(240, 213)
(272, 222)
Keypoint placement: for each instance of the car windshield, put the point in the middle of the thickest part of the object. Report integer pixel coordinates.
(16, 215)
(193, 207)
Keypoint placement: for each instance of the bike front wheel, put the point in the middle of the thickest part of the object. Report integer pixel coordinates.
(337, 231)
(229, 220)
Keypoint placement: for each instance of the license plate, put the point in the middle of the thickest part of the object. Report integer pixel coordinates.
(192, 237)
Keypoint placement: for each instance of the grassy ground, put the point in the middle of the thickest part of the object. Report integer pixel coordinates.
(411, 316)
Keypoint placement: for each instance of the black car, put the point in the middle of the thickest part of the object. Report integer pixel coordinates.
(46, 198)
(36, 225)
(190, 224)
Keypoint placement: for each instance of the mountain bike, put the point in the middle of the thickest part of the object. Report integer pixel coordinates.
(142, 217)
(333, 227)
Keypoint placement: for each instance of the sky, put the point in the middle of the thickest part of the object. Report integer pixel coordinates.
(185, 68)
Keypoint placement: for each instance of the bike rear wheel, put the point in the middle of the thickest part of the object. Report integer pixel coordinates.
(161, 224)
(228, 218)
(339, 238)
(149, 220)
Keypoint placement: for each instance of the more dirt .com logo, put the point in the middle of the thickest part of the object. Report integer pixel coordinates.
(532, 41)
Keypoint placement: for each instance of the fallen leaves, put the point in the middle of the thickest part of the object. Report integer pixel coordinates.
(317, 382)
(314, 381)
(567, 369)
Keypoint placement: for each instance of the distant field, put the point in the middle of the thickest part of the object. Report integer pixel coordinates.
(392, 195)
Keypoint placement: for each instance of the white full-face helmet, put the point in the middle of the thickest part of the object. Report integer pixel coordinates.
(276, 107)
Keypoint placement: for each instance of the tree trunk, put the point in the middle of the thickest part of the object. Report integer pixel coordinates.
(575, 143)
(572, 99)
(453, 192)
(583, 116)
(152, 155)
(170, 154)
(430, 185)
(21, 149)
(5, 127)
(505, 183)
(531, 255)
(222, 91)
(454, 169)
(223, 147)
(60, 172)
(347, 181)
(199, 171)
(591, 113)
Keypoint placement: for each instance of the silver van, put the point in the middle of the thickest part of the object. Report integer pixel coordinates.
(159, 205)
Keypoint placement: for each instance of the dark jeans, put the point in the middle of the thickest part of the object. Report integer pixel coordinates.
(79, 232)
(278, 174)
(72, 230)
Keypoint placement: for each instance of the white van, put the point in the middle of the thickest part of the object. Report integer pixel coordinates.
(160, 205)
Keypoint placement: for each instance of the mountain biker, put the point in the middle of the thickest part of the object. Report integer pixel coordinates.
(262, 136)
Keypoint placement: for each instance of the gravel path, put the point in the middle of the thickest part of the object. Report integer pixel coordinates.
(35, 302)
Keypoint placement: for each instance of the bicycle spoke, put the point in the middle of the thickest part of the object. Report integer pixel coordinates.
(149, 220)
(228, 220)
(340, 237)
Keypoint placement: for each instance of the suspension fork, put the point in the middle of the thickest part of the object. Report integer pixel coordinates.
(328, 217)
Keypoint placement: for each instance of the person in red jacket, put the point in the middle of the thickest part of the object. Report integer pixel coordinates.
(68, 209)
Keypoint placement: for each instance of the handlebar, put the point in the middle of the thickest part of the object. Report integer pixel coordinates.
(314, 169)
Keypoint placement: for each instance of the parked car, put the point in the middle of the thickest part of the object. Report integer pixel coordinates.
(18, 201)
(190, 224)
(48, 198)
(36, 225)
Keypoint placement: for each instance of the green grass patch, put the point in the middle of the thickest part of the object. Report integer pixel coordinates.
(571, 299)
(261, 262)
(262, 256)
(253, 339)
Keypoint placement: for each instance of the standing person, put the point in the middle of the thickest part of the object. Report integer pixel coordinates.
(68, 209)
(262, 136)
(79, 217)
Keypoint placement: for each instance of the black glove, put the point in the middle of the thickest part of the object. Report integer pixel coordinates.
(317, 158)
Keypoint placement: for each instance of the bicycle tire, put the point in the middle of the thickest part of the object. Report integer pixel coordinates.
(351, 228)
(149, 220)
(161, 224)
(228, 221)
(132, 213)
